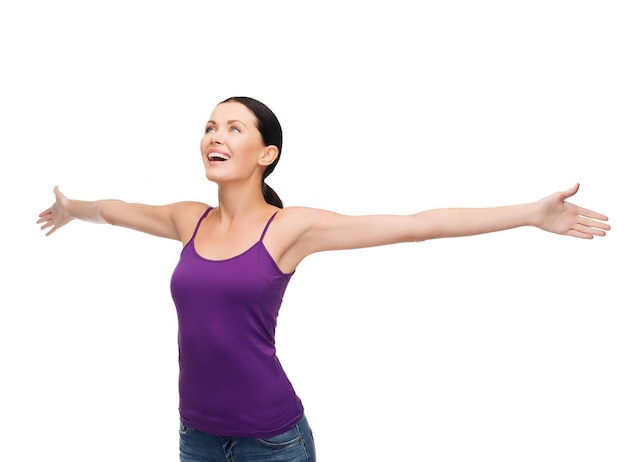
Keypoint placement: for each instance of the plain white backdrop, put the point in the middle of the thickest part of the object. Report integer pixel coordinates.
(504, 347)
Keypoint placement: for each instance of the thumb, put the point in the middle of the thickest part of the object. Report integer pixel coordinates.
(570, 192)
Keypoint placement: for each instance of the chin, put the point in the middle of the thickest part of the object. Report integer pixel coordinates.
(214, 177)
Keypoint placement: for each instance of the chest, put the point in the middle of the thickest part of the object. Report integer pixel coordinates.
(223, 245)
(246, 286)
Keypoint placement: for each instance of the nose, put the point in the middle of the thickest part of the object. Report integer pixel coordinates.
(214, 138)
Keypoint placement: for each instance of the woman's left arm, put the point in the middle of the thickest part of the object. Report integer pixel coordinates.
(552, 213)
(322, 230)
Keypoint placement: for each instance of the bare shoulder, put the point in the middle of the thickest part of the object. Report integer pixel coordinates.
(189, 208)
(318, 230)
(295, 221)
(302, 231)
(186, 215)
(305, 219)
(298, 232)
(306, 216)
(287, 234)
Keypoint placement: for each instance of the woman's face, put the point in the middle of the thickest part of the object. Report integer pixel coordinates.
(232, 147)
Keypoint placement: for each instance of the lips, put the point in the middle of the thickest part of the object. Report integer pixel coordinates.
(215, 156)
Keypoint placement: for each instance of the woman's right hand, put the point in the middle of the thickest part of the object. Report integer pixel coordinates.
(57, 215)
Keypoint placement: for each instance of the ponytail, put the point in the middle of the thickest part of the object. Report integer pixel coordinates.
(271, 197)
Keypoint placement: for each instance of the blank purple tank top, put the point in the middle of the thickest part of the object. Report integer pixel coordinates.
(231, 383)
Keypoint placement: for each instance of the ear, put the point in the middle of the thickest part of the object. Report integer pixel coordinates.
(269, 155)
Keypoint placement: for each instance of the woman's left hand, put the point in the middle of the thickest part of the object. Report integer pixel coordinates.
(558, 216)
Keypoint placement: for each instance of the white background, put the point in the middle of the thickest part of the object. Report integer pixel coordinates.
(505, 347)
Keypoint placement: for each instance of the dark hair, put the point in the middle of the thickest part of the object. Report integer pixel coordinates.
(272, 134)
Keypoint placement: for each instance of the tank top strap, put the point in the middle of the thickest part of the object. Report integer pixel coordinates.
(267, 225)
(195, 231)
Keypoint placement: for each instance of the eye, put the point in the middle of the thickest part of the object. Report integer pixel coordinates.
(235, 130)
(209, 130)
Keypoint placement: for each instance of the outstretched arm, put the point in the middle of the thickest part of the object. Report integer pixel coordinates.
(552, 213)
(321, 230)
(162, 221)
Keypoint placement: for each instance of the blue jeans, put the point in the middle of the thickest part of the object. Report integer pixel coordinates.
(295, 445)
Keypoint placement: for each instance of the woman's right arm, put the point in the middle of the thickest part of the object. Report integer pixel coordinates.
(169, 221)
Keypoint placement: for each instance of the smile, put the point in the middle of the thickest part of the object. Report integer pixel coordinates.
(217, 156)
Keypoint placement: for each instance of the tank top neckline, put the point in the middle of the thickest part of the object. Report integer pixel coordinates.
(259, 242)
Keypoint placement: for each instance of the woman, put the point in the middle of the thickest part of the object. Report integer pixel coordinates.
(236, 402)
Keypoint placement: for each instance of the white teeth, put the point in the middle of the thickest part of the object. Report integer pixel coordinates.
(218, 155)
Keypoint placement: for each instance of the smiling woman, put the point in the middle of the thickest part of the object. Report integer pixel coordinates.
(252, 121)
(239, 255)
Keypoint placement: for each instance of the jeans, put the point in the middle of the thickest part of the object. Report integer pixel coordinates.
(295, 445)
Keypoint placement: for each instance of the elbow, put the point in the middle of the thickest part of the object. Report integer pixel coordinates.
(418, 231)
(105, 213)
(418, 237)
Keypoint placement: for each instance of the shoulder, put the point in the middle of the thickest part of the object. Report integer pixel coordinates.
(307, 213)
(185, 210)
(190, 207)
(296, 223)
(301, 218)
(185, 215)
(307, 217)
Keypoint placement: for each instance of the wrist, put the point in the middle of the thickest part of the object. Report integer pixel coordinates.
(532, 215)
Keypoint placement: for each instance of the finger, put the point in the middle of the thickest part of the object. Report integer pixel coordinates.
(588, 222)
(579, 234)
(594, 231)
(48, 210)
(586, 232)
(591, 214)
(44, 218)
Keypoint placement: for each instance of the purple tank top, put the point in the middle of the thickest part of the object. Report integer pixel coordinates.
(231, 383)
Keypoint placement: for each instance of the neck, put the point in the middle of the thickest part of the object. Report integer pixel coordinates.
(240, 200)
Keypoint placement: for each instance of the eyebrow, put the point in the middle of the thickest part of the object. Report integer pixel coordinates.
(228, 122)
